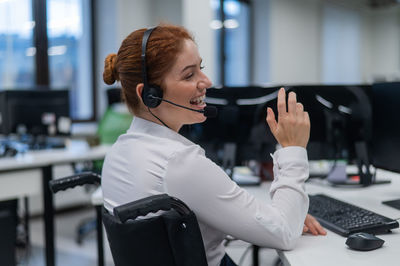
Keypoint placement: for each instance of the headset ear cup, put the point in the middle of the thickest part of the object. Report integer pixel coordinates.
(152, 96)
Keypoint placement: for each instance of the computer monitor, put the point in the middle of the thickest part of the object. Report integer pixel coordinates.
(239, 131)
(340, 116)
(34, 112)
(386, 129)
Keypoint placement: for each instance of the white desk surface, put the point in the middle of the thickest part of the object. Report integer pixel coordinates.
(27, 174)
(35, 159)
(331, 249)
(22, 176)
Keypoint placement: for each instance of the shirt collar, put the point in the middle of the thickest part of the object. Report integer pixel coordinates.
(140, 125)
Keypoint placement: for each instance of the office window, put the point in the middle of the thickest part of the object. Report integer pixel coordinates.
(16, 44)
(69, 53)
(232, 35)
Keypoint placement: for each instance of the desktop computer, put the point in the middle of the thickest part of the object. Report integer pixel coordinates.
(341, 129)
(377, 142)
(35, 117)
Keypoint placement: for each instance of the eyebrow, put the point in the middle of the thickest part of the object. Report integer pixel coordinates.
(190, 66)
(187, 67)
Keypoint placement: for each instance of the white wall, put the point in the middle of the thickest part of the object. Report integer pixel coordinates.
(197, 16)
(325, 41)
(385, 44)
(169, 11)
(132, 15)
(107, 32)
(294, 28)
(261, 45)
(341, 45)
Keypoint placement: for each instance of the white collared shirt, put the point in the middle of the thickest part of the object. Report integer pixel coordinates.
(152, 159)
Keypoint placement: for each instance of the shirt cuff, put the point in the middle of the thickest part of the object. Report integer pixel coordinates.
(289, 154)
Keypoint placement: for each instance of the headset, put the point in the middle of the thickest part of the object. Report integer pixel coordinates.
(151, 94)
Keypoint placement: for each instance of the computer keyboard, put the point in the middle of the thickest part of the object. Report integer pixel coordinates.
(345, 219)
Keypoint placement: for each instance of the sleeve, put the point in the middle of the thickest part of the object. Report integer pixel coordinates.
(222, 204)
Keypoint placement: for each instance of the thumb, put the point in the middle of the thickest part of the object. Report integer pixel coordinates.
(271, 120)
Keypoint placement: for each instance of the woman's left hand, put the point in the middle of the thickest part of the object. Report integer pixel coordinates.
(312, 226)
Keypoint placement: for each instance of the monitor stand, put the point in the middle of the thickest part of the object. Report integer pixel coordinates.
(364, 177)
(363, 164)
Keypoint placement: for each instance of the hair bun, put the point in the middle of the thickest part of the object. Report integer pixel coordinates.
(109, 74)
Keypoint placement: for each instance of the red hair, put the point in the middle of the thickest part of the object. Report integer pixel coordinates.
(163, 47)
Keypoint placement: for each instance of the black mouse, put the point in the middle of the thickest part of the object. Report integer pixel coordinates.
(364, 241)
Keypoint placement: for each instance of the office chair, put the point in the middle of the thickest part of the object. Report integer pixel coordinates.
(171, 238)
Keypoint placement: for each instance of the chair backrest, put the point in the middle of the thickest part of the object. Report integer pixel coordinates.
(172, 238)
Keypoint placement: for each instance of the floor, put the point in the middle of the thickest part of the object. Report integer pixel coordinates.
(69, 252)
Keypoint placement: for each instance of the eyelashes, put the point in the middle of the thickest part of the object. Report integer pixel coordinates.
(188, 77)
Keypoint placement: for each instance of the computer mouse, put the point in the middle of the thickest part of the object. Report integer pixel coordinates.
(364, 241)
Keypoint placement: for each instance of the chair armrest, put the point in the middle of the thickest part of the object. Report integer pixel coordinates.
(74, 180)
(150, 204)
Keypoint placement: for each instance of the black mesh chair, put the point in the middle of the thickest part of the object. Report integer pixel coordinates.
(172, 237)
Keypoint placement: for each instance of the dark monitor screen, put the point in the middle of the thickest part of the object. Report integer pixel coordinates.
(240, 120)
(386, 127)
(340, 115)
(35, 112)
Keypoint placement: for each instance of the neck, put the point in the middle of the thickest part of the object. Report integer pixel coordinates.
(145, 114)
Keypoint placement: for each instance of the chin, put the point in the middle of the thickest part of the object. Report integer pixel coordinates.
(198, 120)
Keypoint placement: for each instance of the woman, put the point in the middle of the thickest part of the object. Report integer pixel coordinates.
(152, 158)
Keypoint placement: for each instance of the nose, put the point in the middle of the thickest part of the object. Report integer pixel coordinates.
(204, 82)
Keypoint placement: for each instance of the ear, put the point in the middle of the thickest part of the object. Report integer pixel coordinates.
(139, 89)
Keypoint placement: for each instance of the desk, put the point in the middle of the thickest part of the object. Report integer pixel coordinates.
(331, 249)
(29, 174)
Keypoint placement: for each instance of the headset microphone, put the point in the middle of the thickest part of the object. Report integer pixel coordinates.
(208, 111)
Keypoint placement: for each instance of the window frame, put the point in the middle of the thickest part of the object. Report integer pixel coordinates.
(222, 43)
(42, 71)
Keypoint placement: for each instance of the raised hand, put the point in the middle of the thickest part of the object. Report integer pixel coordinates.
(293, 125)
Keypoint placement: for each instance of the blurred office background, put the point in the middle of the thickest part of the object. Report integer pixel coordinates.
(59, 44)
(62, 43)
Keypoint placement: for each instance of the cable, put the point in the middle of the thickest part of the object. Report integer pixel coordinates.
(158, 118)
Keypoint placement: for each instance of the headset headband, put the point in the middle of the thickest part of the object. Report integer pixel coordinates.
(146, 37)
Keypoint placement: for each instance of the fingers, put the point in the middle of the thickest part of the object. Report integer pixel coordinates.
(271, 120)
(292, 103)
(300, 110)
(292, 127)
(307, 117)
(314, 227)
(281, 102)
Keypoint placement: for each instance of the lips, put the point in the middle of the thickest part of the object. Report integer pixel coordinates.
(198, 101)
